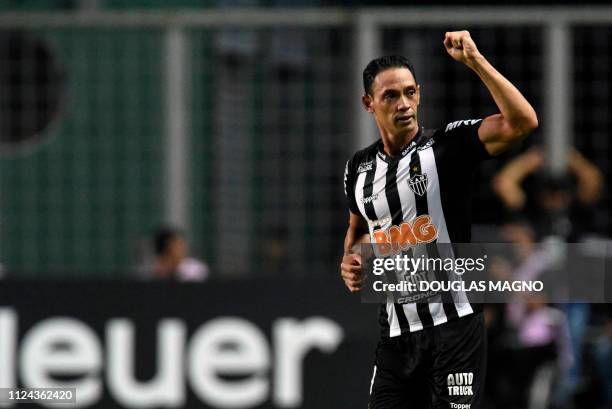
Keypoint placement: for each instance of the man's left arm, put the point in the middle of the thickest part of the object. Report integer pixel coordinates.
(516, 119)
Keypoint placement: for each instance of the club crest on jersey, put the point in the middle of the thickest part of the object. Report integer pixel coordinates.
(418, 184)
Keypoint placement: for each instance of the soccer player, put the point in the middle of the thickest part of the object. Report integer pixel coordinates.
(432, 353)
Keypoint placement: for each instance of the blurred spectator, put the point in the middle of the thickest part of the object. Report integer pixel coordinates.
(557, 200)
(538, 325)
(559, 207)
(274, 252)
(507, 183)
(543, 353)
(170, 258)
(603, 358)
(530, 347)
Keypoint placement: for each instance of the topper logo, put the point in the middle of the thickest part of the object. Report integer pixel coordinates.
(369, 199)
(397, 238)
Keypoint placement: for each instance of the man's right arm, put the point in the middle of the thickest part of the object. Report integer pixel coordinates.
(516, 119)
(351, 267)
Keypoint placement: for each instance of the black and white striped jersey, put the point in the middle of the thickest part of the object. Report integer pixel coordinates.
(428, 184)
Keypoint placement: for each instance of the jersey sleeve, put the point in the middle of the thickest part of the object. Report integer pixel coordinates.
(349, 186)
(463, 136)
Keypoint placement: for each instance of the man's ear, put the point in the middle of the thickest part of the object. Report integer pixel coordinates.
(366, 101)
(418, 93)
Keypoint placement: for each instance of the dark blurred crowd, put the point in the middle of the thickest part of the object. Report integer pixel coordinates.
(543, 355)
(166, 256)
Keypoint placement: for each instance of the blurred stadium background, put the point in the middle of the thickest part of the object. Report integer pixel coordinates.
(233, 120)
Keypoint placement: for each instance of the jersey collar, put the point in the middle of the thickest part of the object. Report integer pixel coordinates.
(416, 141)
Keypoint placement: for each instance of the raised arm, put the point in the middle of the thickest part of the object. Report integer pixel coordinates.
(516, 119)
(508, 182)
(590, 179)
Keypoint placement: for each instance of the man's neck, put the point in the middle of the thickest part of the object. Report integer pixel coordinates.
(394, 144)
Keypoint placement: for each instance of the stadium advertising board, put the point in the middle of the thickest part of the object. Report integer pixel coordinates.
(234, 344)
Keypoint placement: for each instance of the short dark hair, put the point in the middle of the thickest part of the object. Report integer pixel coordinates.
(162, 238)
(378, 65)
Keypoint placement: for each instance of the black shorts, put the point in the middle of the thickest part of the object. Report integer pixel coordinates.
(438, 367)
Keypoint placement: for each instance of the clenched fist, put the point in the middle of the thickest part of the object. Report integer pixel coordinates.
(461, 47)
(351, 271)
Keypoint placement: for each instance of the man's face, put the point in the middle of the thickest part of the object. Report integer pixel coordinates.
(394, 99)
(177, 248)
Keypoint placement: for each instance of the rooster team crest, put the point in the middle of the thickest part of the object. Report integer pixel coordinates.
(418, 184)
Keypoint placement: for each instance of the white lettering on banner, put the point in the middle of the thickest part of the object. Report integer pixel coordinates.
(8, 349)
(207, 359)
(295, 339)
(80, 354)
(59, 346)
(167, 387)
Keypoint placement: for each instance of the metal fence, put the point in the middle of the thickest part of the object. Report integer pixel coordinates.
(236, 125)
